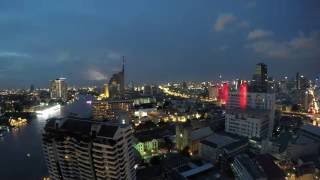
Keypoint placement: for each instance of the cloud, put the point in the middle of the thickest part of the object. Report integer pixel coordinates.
(251, 4)
(223, 20)
(301, 47)
(8, 54)
(244, 24)
(96, 75)
(259, 34)
(113, 55)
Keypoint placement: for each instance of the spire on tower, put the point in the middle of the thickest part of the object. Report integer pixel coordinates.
(123, 63)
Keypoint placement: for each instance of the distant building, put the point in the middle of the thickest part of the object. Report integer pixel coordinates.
(260, 78)
(249, 123)
(250, 114)
(147, 90)
(32, 88)
(106, 93)
(111, 109)
(59, 89)
(213, 92)
(117, 83)
(85, 149)
(302, 82)
(147, 142)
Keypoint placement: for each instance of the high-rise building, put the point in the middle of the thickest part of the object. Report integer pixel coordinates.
(59, 89)
(85, 149)
(250, 114)
(302, 82)
(117, 83)
(106, 91)
(260, 78)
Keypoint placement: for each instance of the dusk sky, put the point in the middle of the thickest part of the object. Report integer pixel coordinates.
(164, 40)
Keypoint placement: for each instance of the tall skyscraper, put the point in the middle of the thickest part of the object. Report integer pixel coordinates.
(117, 82)
(59, 89)
(84, 149)
(260, 78)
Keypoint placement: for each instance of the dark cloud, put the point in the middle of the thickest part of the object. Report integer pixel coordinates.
(166, 40)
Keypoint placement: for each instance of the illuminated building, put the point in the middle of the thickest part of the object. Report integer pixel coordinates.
(224, 93)
(111, 109)
(243, 95)
(260, 78)
(147, 142)
(106, 91)
(250, 114)
(117, 83)
(213, 92)
(85, 149)
(59, 89)
(302, 82)
(249, 123)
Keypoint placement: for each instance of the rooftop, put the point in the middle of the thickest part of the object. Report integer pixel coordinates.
(201, 133)
(217, 140)
(80, 127)
(252, 167)
(311, 129)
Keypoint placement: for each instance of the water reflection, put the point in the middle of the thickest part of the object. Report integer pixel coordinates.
(21, 150)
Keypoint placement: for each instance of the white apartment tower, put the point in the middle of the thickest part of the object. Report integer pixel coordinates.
(59, 89)
(84, 149)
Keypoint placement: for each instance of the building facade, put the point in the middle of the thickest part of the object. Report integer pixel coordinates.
(59, 89)
(111, 109)
(250, 114)
(245, 168)
(84, 149)
(260, 78)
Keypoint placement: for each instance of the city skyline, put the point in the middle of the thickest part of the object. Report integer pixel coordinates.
(163, 41)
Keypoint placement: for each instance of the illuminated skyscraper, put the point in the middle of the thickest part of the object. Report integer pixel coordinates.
(117, 82)
(59, 89)
(106, 91)
(84, 149)
(260, 78)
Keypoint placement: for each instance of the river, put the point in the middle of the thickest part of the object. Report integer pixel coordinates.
(21, 156)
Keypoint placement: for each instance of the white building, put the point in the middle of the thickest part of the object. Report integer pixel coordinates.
(252, 124)
(250, 114)
(59, 89)
(85, 149)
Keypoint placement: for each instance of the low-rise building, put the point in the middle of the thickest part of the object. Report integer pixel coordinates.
(245, 168)
(221, 148)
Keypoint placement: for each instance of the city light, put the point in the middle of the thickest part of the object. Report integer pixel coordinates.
(243, 95)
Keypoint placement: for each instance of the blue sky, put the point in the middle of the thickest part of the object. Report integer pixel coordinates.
(83, 40)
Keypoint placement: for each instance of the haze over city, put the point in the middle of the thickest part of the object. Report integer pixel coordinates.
(162, 41)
